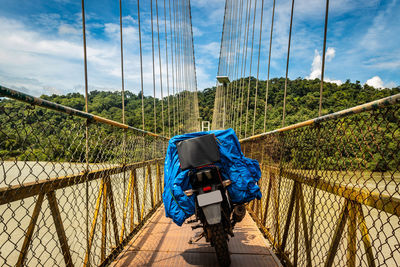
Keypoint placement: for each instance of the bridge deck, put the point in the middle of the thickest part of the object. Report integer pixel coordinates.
(162, 243)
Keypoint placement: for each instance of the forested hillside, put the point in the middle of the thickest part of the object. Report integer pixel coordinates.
(302, 100)
(302, 104)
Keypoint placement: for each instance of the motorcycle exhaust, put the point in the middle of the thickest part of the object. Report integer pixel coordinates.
(239, 212)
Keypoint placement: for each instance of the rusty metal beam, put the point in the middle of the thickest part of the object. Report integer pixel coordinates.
(296, 228)
(365, 236)
(380, 201)
(104, 225)
(288, 218)
(351, 235)
(305, 229)
(337, 235)
(151, 186)
(110, 197)
(94, 222)
(125, 208)
(133, 184)
(55, 212)
(29, 232)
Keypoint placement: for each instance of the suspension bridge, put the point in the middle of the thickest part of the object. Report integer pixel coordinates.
(77, 188)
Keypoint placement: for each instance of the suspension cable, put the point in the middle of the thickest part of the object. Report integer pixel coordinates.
(141, 61)
(258, 65)
(287, 66)
(166, 61)
(269, 64)
(248, 15)
(323, 59)
(251, 63)
(160, 65)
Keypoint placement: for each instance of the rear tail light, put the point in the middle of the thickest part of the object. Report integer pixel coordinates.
(207, 188)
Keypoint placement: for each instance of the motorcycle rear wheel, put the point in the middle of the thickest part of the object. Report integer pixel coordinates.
(219, 240)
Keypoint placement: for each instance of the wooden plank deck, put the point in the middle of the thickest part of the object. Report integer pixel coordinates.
(162, 243)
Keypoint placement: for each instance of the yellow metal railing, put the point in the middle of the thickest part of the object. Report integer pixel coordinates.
(331, 188)
(74, 188)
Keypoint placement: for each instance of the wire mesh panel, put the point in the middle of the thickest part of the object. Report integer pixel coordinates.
(331, 189)
(72, 191)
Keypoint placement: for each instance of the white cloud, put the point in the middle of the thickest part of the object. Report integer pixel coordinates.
(317, 65)
(45, 62)
(68, 29)
(330, 54)
(378, 83)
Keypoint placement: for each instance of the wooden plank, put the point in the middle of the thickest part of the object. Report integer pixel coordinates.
(351, 236)
(94, 222)
(51, 196)
(337, 235)
(18, 192)
(29, 232)
(365, 236)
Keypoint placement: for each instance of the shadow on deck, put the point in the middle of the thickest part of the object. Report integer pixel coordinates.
(162, 243)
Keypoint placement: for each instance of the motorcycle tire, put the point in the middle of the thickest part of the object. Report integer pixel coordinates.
(218, 239)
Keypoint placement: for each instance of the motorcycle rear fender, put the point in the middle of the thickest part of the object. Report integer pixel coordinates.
(212, 213)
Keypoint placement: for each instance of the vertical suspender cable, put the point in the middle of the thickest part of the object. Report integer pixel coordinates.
(194, 70)
(258, 65)
(287, 66)
(237, 82)
(251, 63)
(174, 101)
(159, 62)
(318, 129)
(231, 62)
(323, 59)
(86, 127)
(166, 60)
(245, 66)
(122, 93)
(141, 62)
(154, 74)
(122, 63)
(269, 64)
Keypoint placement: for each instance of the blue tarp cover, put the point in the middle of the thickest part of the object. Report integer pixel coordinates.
(243, 172)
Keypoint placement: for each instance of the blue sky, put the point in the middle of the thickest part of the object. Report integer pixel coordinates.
(41, 48)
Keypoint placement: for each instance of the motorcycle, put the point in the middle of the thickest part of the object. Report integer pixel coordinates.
(214, 210)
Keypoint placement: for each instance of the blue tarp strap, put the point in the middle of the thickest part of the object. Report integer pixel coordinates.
(177, 202)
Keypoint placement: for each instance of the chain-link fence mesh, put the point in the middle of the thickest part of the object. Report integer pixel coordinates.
(331, 190)
(72, 191)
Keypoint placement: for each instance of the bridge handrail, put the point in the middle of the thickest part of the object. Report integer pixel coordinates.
(384, 102)
(25, 190)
